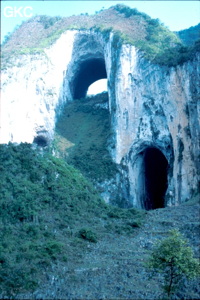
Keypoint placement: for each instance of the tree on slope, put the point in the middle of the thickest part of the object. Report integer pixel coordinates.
(174, 259)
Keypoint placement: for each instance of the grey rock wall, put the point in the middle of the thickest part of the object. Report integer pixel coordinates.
(151, 107)
(31, 92)
(158, 107)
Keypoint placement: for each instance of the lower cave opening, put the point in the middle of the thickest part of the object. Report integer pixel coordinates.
(155, 171)
(41, 141)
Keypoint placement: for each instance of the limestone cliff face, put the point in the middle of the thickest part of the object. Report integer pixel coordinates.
(154, 110)
(157, 107)
(32, 91)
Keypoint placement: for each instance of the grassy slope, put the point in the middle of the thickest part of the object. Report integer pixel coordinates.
(48, 212)
(54, 224)
(83, 131)
(59, 239)
(157, 42)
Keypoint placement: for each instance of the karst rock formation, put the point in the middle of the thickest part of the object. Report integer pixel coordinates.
(153, 109)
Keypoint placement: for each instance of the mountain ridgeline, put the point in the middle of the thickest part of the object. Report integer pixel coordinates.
(157, 42)
(189, 36)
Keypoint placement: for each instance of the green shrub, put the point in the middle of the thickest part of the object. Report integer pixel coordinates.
(174, 259)
(128, 12)
(115, 213)
(7, 38)
(87, 234)
(52, 248)
(135, 223)
(48, 21)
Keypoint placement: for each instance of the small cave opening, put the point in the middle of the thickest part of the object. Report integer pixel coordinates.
(98, 87)
(41, 141)
(155, 170)
(89, 72)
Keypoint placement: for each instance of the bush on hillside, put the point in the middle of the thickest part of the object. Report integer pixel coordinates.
(48, 21)
(38, 194)
(174, 259)
(87, 234)
(44, 203)
(128, 12)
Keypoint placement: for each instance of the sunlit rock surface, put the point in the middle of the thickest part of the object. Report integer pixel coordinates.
(32, 91)
(151, 106)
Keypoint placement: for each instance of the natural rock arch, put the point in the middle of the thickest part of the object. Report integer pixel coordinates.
(87, 65)
(149, 106)
(89, 71)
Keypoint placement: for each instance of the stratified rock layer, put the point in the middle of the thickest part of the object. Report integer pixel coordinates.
(152, 108)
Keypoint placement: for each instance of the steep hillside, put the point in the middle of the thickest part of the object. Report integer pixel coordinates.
(114, 268)
(60, 240)
(48, 212)
(157, 42)
(83, 132)
(189, 36)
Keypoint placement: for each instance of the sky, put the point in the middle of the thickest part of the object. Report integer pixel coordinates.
(176, 15)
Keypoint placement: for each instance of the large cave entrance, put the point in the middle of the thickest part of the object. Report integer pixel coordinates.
(89, 71)
(155, 167)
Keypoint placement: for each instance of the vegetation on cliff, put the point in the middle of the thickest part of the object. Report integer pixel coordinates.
(83, 135)
(156, 41)
(189, 36)
(48, 214)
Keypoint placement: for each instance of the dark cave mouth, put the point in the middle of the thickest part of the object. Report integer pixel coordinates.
(155, 170)
(90, 71)
(41, 141)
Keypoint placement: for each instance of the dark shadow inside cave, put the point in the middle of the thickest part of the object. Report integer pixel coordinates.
(89, 72)
(155, 167)
(40, 141)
